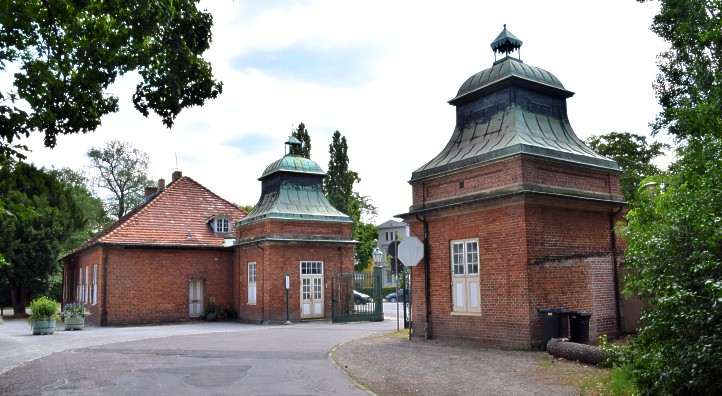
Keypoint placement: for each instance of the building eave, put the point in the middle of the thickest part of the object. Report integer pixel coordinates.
(506, 193)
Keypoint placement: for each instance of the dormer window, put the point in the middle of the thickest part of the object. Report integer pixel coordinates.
(220, 224)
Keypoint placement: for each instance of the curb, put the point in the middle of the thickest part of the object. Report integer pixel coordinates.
(348, 374)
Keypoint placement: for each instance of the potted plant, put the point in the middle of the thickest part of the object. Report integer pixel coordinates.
(211, 312)
(43, 314)
(74, 316)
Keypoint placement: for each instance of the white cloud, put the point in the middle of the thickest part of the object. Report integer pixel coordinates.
(396, 118)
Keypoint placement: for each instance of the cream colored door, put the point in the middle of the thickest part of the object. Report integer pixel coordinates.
(311, 289)
(195, 298)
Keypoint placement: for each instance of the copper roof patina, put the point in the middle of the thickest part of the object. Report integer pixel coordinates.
(291, 189)
(508, 109)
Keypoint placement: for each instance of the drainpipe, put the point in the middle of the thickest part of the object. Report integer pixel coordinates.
(613, 243)
(104, 306)
(427, 275)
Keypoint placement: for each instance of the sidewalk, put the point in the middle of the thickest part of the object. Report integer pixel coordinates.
(390, 364)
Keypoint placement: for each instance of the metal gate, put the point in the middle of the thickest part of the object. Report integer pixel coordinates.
(357, 297)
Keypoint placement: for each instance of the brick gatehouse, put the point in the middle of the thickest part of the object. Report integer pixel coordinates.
(186, 248)
(516, 213)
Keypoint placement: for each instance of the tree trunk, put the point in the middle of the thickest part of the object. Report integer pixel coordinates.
(573, 351)
(18, 297)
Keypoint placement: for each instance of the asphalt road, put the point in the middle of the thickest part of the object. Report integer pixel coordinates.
(265, 360)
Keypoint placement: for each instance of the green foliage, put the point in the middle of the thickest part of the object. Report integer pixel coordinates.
(633, 154)
(615, 355)
(246, 208)
(675, 232)
(38, 213)
(74, 310)
(122, 171)
(43, 308)
(338, 184)
(69, 52)
(364, 233)
(91, 207)
(301, 133)
(675, 255)
(338, 187)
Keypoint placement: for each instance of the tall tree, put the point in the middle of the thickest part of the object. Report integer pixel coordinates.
(301, 133)
(675, 231)
(121, 170)
(91, 207)
(338, 187)
(339, 181)
(69, 52)
(37, 213)
(633, 153)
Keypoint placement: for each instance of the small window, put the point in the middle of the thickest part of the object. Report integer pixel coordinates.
(221, 225)
(251, 283)
(311, 268)
(94, 296)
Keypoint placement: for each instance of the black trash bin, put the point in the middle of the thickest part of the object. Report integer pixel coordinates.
(552, 324)
(579, 327)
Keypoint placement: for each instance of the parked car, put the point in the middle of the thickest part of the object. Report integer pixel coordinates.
(360, 298)
(391, 297)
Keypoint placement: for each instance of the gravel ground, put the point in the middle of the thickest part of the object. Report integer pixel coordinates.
(390, 364)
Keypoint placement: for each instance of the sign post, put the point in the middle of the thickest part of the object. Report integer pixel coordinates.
(288, 286)
(410, 252)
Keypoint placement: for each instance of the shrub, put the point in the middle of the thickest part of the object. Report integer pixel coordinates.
(74, 310)
(43, 308)
(615, 355)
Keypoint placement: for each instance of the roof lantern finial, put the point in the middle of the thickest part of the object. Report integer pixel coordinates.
(506, 43)
(293, 146)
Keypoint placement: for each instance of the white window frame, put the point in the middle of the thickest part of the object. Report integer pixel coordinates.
(94, 286)
(79, 287)
(251, 282)
(224, 221)
(465, 278)
(86, 288)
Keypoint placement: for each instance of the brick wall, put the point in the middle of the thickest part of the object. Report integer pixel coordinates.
(293, 227)
(535, 251)
(513, 172)
(273, 261)
(504, 318)
(71, 267)
(151, 285)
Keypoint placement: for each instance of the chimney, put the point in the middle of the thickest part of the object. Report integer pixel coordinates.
(149, 192)
(177, 175)
(161, 184)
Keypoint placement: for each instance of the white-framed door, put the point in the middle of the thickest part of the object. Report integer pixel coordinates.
(195, 298)
(311, 289)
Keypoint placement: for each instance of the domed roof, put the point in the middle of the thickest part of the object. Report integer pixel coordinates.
(293, 163)
(506, 68)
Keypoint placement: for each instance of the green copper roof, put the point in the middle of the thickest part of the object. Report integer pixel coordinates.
(296, 202)
(292, 163)
(503, 69)
(514, 130)
(292, 190)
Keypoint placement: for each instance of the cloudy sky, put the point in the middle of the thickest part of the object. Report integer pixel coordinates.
(381, 73)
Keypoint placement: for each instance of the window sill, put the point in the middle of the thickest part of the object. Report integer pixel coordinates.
(465, 313)
(250, 303)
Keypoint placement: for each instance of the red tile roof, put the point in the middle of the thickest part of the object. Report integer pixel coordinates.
(176, 216)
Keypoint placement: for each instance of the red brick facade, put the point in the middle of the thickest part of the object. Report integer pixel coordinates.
(536, 250)
(139, 271)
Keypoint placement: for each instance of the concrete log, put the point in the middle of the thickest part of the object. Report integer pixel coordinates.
(560, 347)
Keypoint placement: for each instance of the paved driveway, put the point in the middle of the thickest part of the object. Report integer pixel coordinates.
(221, 358)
